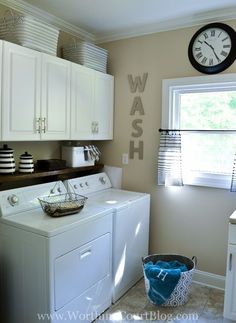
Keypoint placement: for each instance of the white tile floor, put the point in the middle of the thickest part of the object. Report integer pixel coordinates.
(205, 305)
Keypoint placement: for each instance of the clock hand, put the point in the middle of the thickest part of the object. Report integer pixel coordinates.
(208, 45)
(213, 51)
(216, 56)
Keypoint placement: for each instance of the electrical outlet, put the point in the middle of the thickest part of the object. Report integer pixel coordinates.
(125, 159)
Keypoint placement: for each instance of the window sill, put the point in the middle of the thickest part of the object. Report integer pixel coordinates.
(208, 180)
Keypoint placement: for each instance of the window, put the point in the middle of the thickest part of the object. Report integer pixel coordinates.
(203, 103)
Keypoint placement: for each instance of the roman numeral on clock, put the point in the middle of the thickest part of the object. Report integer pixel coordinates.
(224, 39)
(210, 61)
(223, 53)
(213, 32)
(199, 55)
(203, 61)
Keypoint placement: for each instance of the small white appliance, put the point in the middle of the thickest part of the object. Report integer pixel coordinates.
(131, 212)
(53, 269)
(75, 156)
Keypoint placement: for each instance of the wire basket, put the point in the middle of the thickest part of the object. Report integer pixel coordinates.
(62, 204)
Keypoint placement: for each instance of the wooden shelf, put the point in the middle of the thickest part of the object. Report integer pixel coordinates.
(20, 179)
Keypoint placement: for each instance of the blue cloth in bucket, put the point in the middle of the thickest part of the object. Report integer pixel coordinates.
(163, 277)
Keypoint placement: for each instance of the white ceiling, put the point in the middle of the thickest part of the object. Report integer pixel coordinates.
(110, 18)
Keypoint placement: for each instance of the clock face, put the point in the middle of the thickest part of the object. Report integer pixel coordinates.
(212, 48)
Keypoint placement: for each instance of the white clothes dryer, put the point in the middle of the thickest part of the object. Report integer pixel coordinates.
(53, 269)
(131, 212)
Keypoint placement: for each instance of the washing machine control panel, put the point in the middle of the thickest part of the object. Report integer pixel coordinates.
(89, 184)
(26, 198)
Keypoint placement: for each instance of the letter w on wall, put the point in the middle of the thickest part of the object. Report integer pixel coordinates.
(137, 83)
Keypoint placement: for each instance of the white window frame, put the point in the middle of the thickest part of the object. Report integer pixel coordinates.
(171, 88)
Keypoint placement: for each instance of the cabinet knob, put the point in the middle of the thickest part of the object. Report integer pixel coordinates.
(93, 127)
(38, 125)
(44, 125)
(230, 261)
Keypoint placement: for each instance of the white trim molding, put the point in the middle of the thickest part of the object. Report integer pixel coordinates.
(172, 24)
(209, 279)
(26, 8)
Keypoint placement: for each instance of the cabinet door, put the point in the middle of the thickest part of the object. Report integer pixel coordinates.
(82, 87)
(230, 284)
(55, 108)
(103, 106)
(21, 93)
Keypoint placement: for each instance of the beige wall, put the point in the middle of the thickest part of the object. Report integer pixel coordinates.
(189, 220)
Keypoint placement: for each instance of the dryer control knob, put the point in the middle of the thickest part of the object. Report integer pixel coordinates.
(81, 185)
(102, 180)
(75, 186)
(13, 199)
(86, 183)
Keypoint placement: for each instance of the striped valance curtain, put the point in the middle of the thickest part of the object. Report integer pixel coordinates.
(233, 178)
(169, 159)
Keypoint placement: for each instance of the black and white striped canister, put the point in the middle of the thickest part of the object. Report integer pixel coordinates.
(7, 161)
(26, 164)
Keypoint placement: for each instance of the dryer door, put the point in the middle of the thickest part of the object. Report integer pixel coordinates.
(80, 269)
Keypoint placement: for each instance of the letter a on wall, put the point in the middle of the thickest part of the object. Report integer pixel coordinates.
(137, 106)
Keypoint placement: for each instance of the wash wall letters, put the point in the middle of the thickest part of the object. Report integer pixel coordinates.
(137, 84)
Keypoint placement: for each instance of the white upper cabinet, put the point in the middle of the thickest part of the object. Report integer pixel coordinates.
(103, 106)
(36, 95)
(20, 93)
(92, 104)
(55, 105)
(82, 93)
(48, 98)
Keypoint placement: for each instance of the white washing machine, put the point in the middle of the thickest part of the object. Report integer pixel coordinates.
(131, 212)
(53, 269)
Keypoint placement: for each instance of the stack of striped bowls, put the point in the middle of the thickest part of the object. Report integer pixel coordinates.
(7, 161)
(26, 164)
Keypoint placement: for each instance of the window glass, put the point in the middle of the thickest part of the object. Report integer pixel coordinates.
(208, 152)
(208, 110)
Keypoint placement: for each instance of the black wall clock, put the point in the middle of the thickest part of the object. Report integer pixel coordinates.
(212, 48)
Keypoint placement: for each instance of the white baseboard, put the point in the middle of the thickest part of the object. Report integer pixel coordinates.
(209, 279)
